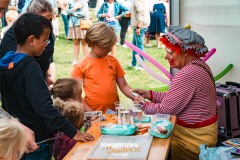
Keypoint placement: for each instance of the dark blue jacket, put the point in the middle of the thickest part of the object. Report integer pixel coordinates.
(25, 96)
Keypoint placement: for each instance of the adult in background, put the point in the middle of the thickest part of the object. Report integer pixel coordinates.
(159, 20)
(45, 61)
(31, 145)
(191, 96)
(125, 21)
(111, 12)
(77, 10)
(140, 20)
(64, 6)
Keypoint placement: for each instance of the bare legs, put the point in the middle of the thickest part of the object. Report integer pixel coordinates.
(85, 47)
(159, 43)
(76, 48)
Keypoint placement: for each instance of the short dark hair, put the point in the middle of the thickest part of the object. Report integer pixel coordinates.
(29, 24)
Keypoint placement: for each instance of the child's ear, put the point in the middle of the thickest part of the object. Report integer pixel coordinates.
(31, 40)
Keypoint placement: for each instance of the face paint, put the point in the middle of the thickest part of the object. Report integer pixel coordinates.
(171, 62)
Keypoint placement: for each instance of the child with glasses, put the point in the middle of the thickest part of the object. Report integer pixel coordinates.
(25, 94)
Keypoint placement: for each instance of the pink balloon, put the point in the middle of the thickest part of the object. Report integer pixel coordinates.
(209, 54)
(150, 71)
(150, 59)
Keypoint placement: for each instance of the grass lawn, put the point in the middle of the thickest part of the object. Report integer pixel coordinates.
(63, 57)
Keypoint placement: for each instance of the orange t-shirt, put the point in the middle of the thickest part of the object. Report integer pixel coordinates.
(99, 77)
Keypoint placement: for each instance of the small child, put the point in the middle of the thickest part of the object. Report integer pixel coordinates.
(11, 16)
(12, 139)
(99, 71)
(74, 112)
(69, 89)
(24, 91)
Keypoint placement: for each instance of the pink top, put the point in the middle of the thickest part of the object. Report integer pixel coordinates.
(191, 96)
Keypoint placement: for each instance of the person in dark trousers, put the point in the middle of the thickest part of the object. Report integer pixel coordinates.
(25, 94)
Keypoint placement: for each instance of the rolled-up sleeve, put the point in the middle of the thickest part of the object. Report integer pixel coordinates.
(139, 8)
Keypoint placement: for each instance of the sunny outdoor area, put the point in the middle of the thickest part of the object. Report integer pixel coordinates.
(63, 57)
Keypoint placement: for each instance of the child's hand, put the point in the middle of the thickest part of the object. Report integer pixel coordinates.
(143, 93)
(84, 137)
(93, 119)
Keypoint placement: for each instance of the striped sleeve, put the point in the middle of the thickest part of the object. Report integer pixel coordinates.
(175, 100)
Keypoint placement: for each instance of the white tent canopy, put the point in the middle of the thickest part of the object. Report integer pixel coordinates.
(218, 21)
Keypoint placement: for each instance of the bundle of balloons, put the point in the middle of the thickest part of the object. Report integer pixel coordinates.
(164, 70)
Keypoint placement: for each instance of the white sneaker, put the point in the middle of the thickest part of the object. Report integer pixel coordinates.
(148, 45)
(135, 68)
(124, 46)
(140, 68)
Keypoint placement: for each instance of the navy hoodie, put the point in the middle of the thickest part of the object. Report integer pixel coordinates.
(25, 96)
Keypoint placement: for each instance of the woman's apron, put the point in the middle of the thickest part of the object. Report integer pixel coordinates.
(188, 137)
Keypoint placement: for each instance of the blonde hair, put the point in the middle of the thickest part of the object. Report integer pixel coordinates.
(39, 7)
(12, 138)
(11, 16)
(72, 110)
(65, 88)
(102, 35)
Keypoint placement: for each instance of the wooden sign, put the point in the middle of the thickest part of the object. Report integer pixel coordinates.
(121, 147)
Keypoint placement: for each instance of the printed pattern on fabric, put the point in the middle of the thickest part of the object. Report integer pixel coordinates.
(191, 95)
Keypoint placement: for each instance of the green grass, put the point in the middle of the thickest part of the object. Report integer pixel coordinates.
(63, 57)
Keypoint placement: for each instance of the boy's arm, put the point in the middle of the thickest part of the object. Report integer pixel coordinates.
(124, 87)
(86, 107)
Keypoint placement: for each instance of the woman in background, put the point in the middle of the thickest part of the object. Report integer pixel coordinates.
(77, 10)
(159, 20)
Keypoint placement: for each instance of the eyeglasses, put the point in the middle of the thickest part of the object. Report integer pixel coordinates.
(48, 41)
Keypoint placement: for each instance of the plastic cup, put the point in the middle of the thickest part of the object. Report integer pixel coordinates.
(126, 117)
(137, 116)
(118, 108)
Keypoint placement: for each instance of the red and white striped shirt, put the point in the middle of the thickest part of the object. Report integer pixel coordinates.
(191, 96)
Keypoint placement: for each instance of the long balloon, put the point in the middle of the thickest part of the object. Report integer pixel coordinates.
(163, 88)
(150, 59)
(224, 72)
(150, 71)
(209, 54)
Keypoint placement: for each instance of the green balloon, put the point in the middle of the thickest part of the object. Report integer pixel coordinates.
(224, 72)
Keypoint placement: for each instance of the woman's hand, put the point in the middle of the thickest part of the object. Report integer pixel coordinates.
(138, 98)
(143, 93)
(31, 144)
(84, 137)
(138, 31)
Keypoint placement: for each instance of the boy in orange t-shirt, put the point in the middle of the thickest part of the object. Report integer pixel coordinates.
(101, 72)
